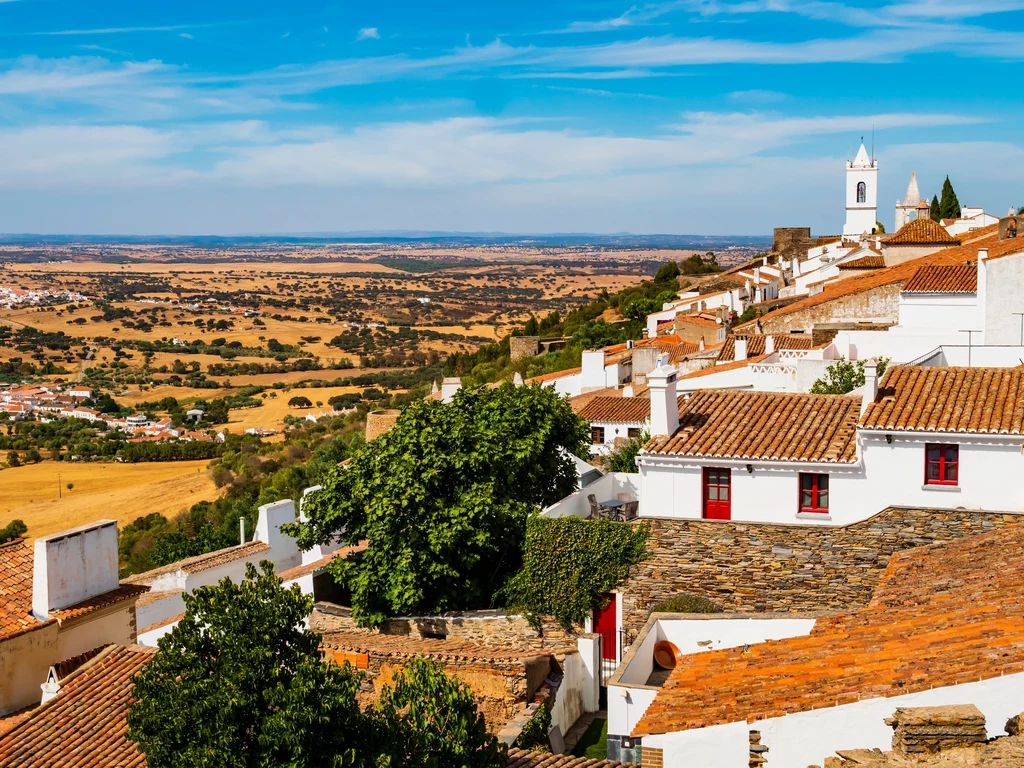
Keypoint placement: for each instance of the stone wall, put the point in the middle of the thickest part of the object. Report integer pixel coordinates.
(760, 567)
(792, 241)
(523, 346)
(379, 422)
(878, 305)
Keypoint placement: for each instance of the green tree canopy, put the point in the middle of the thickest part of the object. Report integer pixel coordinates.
(936, 211)
(668, 271)
(623, 459)
(442, 499)
(240, 682)
(949, 206)
(639, 309)
(532, 327)
(844, 376)
(300, 401)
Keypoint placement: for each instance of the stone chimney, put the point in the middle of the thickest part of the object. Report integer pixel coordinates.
(74, 565)
(449, 387)
(740, 346)
(870, 384)
(922, 731)
(664, 401)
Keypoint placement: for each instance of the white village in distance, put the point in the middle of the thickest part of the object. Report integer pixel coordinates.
(820, 448)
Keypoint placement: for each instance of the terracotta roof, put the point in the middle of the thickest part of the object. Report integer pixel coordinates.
(405, 646)
(936, 399)
(763, 426)
(16, 617)
(679, 352)
(943, 614)
(317, 565)
(921, 232)
(553, 376)
(84, 724)
(959, 278)
(756, 344)
(632, 409)
(522, 758)
(864, 262)
(698, 320)
(723, 367)
(64, 668)
(16, 589)
(199, 562)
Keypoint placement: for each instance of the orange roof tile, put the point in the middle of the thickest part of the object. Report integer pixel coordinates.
(631, 409)
(936, 399)
(756, 344)
(553, 376)
(199, 562)
(523, 758)
(85, 723)
(723, 367)
(304, 570)
(763, 426)
(921, 232)
(958, 278)
(864, 262)
(698, 320)
(958, 603)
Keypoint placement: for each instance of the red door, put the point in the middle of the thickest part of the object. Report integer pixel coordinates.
(717, 494)
(605, 626)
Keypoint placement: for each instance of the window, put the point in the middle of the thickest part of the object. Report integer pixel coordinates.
(633, 433)
(813, 492)
(942, 464)
(862, 192)
(597, 435)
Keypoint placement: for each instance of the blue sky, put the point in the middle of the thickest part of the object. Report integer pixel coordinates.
(685, 116)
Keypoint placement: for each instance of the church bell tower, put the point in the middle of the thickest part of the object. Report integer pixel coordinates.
(861, 194)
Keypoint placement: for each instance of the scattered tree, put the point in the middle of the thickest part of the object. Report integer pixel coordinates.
(443, 499)
(844, 376)
(70, 486)
(13, 530)
(936, 211)
(300, 401)
(949, 206)
(879, 228)
(668, 271)
(13, 460)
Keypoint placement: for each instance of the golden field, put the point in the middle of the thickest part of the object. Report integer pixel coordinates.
(111, 491)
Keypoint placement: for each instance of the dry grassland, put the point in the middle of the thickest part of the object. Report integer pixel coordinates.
(111, 491)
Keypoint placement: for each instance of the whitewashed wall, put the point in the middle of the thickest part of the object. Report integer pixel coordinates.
(613, 430)
(607, 487)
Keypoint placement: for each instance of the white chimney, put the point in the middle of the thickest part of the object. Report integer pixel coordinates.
(757, 275)
(284, 550)
(74, 565)
(627, 391)
(769, 344)
(870, 384)
(592, 376)
(449, 387)
(741, 348)
(241, 530)
(50, 689)
(664, 402)
(517, 380)
(796, 267)
(982, 292)
(433, 389)
(764, 261)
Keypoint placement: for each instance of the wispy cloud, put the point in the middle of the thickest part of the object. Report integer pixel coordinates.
(757, 96)
(34, 76)
(368, 33)
(634, 16)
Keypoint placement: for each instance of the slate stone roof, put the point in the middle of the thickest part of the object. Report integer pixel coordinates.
(764, 426)
(943, 614)
(84, 725)
(936, 399)
(16, 559)
(405, 646)
(921, 232)
(960, 278)
(521, 758)
(625, 409)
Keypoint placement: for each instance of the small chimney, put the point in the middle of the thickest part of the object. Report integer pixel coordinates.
(627, 391)
(664, 402)
(764, 260)
(870, 384)
(592, 375)
(74, 565)
(284, 550)
(433, 389)
(769, 344)
(700, 344)
(517, 380)
(741, 348)
(50, 689)
(757, 275)
(629, 343)
(796, 267)
(241, 530)
(449, 387)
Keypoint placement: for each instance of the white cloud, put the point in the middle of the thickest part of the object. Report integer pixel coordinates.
(368, 33)
(757, 96)
(34, 76)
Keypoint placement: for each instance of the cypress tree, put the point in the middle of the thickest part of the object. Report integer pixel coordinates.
(935, 214)
(949, 206)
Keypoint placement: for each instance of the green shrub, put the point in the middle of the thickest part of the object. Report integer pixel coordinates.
(686, 604)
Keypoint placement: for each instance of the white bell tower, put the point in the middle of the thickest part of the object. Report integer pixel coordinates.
(861, 194)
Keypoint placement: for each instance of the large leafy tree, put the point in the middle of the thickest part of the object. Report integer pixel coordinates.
(949, 206)
(432, 721)
(442, 499)
(239, 683)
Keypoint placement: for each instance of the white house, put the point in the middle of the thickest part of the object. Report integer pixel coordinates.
(925, 437)
(615, 419)
(945, 626)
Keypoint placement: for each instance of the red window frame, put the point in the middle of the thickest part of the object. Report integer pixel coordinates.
(945, 460)
(817, 487)
(597, 435)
